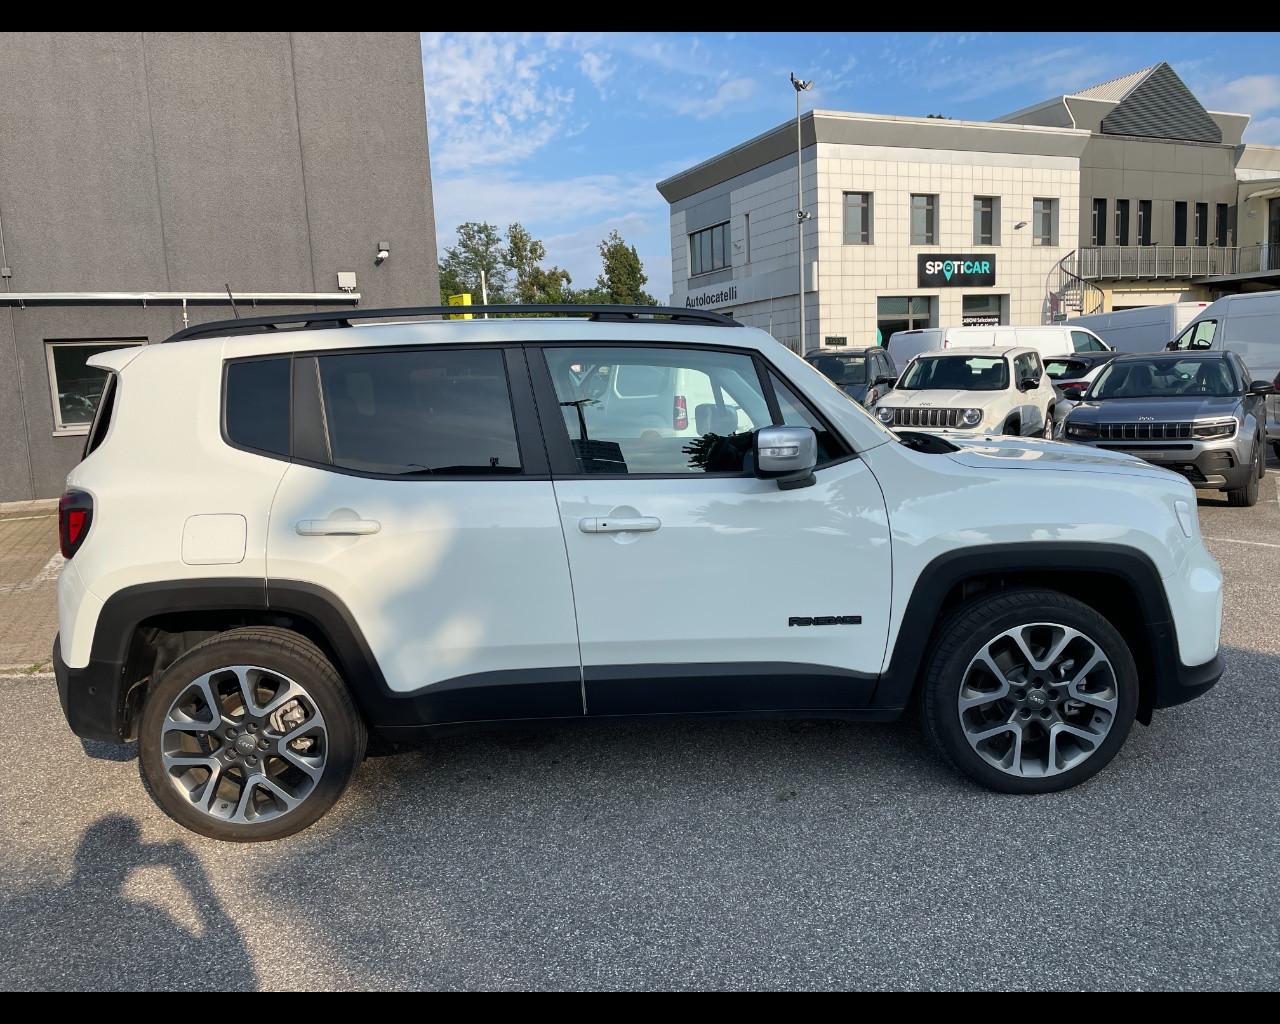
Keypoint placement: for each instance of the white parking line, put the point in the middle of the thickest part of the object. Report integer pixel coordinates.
(18, 519)
(1253, 543)
(47, 574)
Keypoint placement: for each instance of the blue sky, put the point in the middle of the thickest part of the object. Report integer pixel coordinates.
(569, 132)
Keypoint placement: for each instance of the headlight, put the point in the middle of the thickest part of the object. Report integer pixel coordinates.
(1214, 429)
(971, 417)
(884, 414)
(1081, 431)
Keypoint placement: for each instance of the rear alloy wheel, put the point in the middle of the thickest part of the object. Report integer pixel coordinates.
(1247, 496)
(249, 736)
(1029, 691)
(1047, 432)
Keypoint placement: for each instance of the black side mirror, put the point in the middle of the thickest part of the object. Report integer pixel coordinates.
(885, 378)
(1073, 394)
(1261, 387)
(1028, 383)
(1171, 347)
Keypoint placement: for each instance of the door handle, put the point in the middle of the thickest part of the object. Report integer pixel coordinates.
(620, 524)
(337, 527)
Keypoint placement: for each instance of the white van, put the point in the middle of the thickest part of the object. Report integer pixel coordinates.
(1143, 328)
(1248, 325)
(1048, 341)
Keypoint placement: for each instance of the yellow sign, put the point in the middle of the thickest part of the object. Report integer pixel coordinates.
(459, 300)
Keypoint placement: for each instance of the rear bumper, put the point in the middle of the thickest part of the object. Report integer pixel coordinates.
(92, 698)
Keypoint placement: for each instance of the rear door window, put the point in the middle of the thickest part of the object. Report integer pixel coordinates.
(420, 413)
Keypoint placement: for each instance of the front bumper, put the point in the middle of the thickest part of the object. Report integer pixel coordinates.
(1207, 465)
(93, 698)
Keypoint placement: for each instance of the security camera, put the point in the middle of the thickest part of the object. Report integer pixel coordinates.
(384, 250)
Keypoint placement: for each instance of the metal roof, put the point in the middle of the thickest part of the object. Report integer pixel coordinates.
(1116, 89)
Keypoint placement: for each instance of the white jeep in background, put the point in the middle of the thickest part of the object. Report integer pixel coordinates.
(973, 391)
(289, 534)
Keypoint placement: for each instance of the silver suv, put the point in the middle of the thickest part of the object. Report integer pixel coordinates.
(1197, 414)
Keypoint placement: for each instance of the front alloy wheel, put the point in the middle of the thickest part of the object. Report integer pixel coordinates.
(1028, 691)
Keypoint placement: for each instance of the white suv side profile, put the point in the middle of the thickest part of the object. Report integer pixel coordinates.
(288, 533)
(973, 391)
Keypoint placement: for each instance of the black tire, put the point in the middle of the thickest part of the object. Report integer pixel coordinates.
(1247, 496)
(1046, 431)
(1012, 427)
(294, 657)
(1275, 447)
(1262, 459)
(966, 632)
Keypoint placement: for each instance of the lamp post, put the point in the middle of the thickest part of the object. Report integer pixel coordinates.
(801, 216)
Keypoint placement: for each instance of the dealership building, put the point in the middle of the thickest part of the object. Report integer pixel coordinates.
(1125, 194)
(145, 175)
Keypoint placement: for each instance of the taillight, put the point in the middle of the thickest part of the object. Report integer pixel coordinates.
(75, 516)
(680, 413)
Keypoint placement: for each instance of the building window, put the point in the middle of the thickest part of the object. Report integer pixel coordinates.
(75, 386)
(1099, 222)
(857, 218)
(924, 220)
(1179, 223)
(1202, 223)
(983, 311)
(709, 249)
(1144, 221)
(1122, 222)
(1044, 220)
(986, 220)
(902, 313)
(746, 237)
(1221, 225)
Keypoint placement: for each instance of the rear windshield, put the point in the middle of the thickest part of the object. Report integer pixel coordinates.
(1065, 369)
(841, 369)
(1166, 378)
(956, 373)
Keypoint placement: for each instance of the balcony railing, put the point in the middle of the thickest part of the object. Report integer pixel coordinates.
(1097, 262)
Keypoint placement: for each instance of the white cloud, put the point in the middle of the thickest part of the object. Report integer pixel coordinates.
(1264, 132)
(597, 69)
(1250, 94)
(732, 92)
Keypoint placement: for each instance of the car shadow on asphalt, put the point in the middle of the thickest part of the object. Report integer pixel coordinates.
(87, 933)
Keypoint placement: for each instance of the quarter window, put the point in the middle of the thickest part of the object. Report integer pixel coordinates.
(75, 387)
(257, 409)
(420, 414)
(708, 249)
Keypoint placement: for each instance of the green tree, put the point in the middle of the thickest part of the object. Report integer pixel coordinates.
(479, 247)
(534, 283)
(624, 278)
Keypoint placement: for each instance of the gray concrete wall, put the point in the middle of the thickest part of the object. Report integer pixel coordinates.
(183, 162)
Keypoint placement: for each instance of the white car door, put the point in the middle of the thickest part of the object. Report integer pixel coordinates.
(419, 497)
(699, 587)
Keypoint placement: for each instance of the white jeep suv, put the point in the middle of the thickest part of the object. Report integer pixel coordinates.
(973, 391)
(289, 533)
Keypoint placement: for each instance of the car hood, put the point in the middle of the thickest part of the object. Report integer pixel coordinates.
(987, 452)
(942, 399)
(855, 391)
(1160, 410)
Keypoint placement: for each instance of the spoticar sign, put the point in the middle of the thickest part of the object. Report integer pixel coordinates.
(947, 270)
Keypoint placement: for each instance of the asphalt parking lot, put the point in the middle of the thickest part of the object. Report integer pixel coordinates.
(681, 855)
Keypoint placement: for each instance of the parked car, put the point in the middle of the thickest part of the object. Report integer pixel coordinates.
(864, 374)
(1249, 325)
(1142, 328)
(1049, 340)
(1075, 371)
(288, 533)
(977, 390)
(1199, 414)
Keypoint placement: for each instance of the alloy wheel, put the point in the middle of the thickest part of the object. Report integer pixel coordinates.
(244, 744)
(1038, 700)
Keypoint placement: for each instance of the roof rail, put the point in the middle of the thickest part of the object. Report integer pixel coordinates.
(343, 318)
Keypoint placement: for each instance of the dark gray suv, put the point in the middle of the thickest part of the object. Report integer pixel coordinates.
(1198, 414)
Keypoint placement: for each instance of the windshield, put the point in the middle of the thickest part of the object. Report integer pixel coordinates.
(1165, 378)
(841, 369)
(958, 373)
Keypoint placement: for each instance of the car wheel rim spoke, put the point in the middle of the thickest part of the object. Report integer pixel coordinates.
(244, 745)
(1038, 699)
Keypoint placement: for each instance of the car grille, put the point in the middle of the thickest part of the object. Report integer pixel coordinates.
(1143, 431)
(926, 417)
